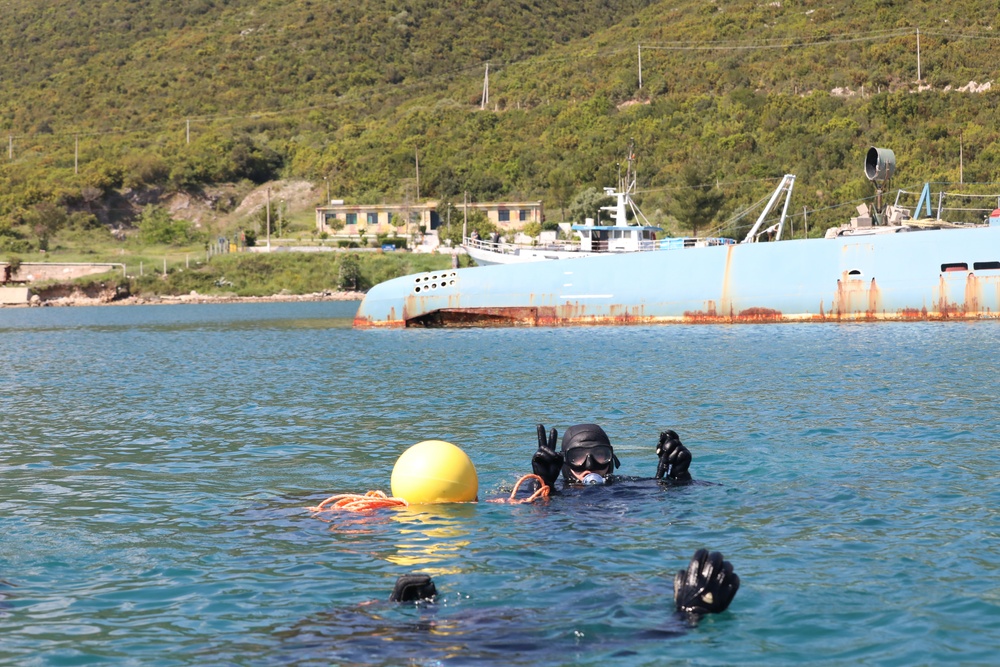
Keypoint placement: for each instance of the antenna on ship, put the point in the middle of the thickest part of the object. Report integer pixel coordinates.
(631, 177)
(880, 163)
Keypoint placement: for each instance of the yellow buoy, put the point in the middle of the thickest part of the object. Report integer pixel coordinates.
(434, 471)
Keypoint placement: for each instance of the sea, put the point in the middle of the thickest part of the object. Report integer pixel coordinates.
(157, 463)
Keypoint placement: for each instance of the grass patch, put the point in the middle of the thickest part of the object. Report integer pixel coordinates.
(253, 274)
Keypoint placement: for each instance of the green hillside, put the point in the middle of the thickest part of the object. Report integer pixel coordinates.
(139, 96)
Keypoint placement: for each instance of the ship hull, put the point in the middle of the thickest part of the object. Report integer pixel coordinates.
(905, 276)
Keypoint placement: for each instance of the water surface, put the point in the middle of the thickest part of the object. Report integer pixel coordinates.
(155, 463)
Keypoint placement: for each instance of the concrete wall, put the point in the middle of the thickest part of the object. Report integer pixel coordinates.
(14, 295)
(36, 271)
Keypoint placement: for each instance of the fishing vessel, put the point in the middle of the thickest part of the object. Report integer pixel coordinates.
(885, 264)
(626, 230)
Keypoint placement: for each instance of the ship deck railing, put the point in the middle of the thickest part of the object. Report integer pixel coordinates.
(505, 248)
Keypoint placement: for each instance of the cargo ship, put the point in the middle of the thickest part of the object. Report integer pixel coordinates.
(884, 265)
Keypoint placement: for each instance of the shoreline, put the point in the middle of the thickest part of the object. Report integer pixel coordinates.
(78, 299)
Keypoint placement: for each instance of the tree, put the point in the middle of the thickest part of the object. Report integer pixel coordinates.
(45, 219)
(587, 204)
(13, 267)
(157, 227)
(336, 224)
(478, 222)
(700, 201)
(532, 229)
(349, 274)
(560, 190)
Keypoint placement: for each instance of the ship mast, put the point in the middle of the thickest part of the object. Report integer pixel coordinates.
(623, 196)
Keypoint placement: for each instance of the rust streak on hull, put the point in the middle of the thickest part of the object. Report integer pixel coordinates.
(555, 317)
(973, 293)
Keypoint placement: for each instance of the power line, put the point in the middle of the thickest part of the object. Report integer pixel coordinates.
(707, 185)
(783, 43)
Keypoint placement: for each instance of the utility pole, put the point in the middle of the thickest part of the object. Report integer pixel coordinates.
(805, 219)
(465, 221)
(416, 154)
(918, 55)
(640, 67)
(486, 89)
(961, 158)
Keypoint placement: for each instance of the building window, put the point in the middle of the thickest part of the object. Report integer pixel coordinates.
(373, 218)
(503, 215)
(524, 215)
(352, 218)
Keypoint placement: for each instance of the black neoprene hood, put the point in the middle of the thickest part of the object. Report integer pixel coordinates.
(584, 435)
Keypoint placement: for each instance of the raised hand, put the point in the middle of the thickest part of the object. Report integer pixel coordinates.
(707, 586)
(675, 458)
(547, 463)
(412, 587)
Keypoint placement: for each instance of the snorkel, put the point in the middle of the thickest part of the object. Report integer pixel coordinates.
(588, 457)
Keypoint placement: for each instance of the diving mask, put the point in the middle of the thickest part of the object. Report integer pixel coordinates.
(585, 458)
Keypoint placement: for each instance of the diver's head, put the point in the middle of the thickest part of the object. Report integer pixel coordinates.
(587, 452)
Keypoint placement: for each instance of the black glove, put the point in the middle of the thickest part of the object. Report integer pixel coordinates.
(673, 456)
(707, 586)
(547, 463)
(411, 587)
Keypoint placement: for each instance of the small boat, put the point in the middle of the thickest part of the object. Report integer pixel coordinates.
(884, 265)
(595, 238)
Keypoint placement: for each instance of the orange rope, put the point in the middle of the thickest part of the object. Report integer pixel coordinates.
(355, 502)
(541, 492)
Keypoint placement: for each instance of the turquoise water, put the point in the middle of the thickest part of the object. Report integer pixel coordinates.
(155, 463)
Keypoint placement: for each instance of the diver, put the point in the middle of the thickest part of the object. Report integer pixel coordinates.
(421, 624)
(707, 586)
(587, 457)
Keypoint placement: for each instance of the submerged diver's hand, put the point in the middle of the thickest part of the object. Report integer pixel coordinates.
(547, 462)
(707, 586)
(674, 456)
(413, 587)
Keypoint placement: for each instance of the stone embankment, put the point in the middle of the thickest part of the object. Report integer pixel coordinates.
(74, 296)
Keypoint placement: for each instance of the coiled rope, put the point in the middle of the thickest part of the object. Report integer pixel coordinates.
(356, 502)
(541, 492)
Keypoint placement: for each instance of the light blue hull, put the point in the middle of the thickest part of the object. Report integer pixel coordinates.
(916, 275)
